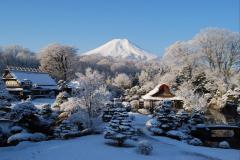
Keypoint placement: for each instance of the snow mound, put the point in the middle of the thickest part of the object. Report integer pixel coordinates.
(177, 134)
(19, 137)
(123, 49)
(224, 144)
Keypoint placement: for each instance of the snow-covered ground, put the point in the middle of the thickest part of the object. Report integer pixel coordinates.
(94, 147)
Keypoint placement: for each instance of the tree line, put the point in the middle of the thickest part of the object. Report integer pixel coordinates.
(214, 50)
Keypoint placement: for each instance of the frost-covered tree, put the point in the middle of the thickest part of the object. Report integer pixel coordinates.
(16, 55)
(91, 91)
(220, 49)
(122, 80)
(59, 61)
(181, 55)
(191, 99)
(120, 127)
(61, 98)
(143, 78)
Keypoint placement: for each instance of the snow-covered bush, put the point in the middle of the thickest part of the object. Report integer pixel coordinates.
(31, 118)
(68, 129)
(123, 81)
(144, 147)
(82, 117)
(192, 101)
(177, 134)
(152, 123)
(19, 137)
(197, 117)
(23, 109)
(195, 142)
(182, 117)
(224, 144)
(71, 106)
(16, 129)
(120, 127)
(46, 110)
(61, 98)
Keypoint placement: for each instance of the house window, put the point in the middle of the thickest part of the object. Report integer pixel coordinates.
(11, 83)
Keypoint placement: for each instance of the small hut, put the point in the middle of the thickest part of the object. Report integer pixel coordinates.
(159, 94)
(22, 82)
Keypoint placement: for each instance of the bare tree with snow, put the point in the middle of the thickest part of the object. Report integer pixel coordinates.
(220, 49)
(92, 93)
(122, 80)
(59, 61)
(16, 55)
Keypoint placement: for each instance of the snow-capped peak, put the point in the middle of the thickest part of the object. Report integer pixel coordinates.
(121, 48)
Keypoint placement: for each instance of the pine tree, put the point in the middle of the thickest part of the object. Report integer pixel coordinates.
(120, 127)
(183, 118)
(108, 112)
(197, 117)
(165, 118)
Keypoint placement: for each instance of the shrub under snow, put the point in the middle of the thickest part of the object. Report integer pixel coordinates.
(22, 109)
(19, 137)
(144, 147)
(224, 144)
(195, 142)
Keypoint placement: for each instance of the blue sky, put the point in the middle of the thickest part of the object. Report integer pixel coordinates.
(86, 24)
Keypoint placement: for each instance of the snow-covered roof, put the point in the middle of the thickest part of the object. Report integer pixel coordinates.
(159, 93)
(38, 78)
(14, 89)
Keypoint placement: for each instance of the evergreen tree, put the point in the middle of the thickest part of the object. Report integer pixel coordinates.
(197, 117)
(120, 127)
(108, 112)
(165, 119)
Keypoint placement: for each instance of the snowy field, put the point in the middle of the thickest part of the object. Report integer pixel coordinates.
(95, 147)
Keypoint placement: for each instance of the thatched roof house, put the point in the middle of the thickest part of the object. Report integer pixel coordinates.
(26, 81)
(161, 93)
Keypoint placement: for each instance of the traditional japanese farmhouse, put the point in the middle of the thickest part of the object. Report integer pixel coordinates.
(22, 82)
(159, 94)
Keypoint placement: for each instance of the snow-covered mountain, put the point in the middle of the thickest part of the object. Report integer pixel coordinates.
(121, 48)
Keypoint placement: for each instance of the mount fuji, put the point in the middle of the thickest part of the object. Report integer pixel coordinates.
(122, 49)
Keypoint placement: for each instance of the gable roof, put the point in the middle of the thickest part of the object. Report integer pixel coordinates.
(38, 78)
(160, 92)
